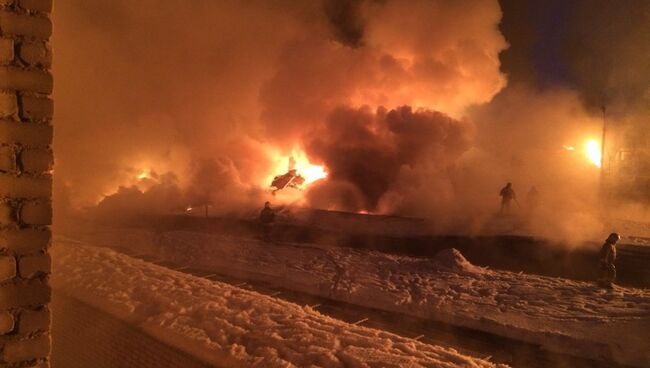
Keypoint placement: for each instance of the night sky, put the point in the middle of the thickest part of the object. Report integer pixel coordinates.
(599, 47)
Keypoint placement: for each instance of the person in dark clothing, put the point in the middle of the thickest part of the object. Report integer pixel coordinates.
(267, 216)
(507, 195)
(607, 258)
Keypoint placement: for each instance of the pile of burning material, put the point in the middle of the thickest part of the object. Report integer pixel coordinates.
(298, 174)
(289, 180)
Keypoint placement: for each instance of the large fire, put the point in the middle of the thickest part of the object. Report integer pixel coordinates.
(307, 170)
(297, 166)
(592, 151)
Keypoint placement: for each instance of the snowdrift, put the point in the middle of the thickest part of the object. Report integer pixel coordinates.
(230, 327)
(560, 315)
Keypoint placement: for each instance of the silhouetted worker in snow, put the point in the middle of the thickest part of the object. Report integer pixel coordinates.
(507, 195)
(267, 216)
(607, 258)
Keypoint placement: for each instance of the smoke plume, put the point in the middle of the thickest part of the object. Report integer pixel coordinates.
(204, 92)
(404, 103)
(372, 151)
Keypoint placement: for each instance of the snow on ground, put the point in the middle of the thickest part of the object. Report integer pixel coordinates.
(560, 315)
(227, 326)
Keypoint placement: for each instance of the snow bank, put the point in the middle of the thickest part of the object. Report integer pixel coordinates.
(560, 315)
(453, 260)
(229, 327)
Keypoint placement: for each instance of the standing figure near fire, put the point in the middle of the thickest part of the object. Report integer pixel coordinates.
(507, 195)
(267, 216)
(607, 258)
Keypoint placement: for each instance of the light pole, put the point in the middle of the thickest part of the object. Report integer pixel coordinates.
(602, 188)
(602, 145)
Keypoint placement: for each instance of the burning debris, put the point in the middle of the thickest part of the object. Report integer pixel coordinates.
(289, 180)
(299, 173)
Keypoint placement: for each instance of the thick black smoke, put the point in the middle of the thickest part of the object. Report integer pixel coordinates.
(366, 151)
(346, 20)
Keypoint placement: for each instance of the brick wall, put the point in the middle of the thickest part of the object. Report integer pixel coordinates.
(106, 341)
(25, 182)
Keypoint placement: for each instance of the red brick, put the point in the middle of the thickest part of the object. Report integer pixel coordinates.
(34, 321)
(7, 159)
(25, 241)
(36, 109)
(24, 25)
(36, 160)
(6, 322)
(6, 51)
(24, 294)
(36, 213)
(7, 214)
(25, 80)
(35, 53)
(28, 134)
(28, 349)
(8, 104)
(31, 266)
(25, 187)
(7, 268)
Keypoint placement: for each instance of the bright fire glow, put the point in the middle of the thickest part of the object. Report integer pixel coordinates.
(304, 168)
(301, 163)
(592, 151)
(144, 174)
(569, 148)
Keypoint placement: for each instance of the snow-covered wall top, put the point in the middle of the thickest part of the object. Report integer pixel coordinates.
(563, 316)
(227, 326)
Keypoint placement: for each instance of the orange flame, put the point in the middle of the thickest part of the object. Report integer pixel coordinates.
(592, 151)
(144, 174)
(299, 161)
(307, 170)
